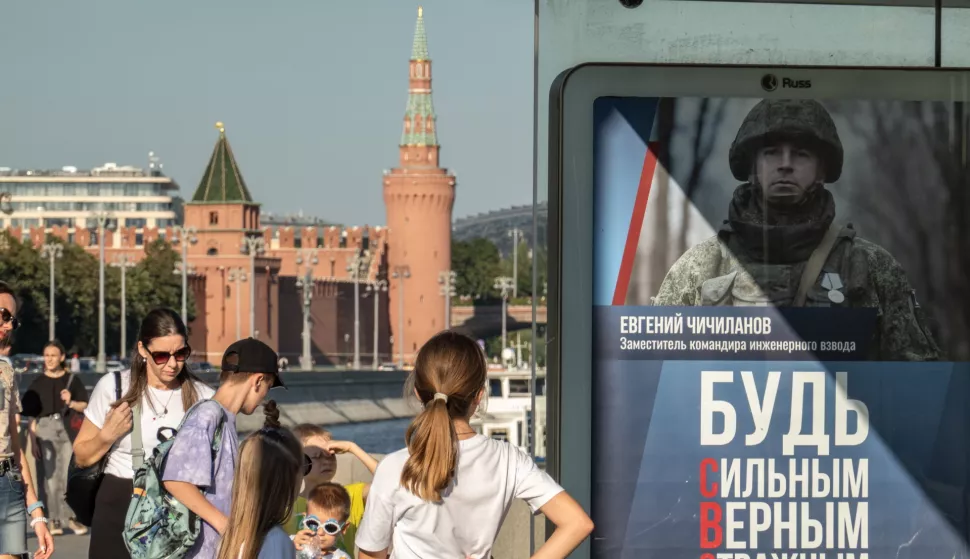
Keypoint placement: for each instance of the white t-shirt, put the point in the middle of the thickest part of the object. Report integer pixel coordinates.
(103, 395)
(490, 474)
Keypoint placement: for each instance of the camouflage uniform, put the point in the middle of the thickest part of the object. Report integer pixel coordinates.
(738, 268)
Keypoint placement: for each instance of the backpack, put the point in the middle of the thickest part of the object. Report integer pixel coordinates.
(156, 525)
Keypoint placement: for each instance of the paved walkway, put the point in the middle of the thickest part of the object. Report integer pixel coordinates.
(65, 547)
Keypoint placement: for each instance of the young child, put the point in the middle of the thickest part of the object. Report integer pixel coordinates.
(204, 485)
(320, 448)
(267, 480)
(328, 511)
(448, 492)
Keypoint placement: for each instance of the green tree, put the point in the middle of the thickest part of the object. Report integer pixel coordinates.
(152, 283)
(22, 268)
(525, 258)
(476, 264)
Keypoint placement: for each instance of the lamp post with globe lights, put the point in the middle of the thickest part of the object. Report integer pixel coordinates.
(102, 217)
(447, 280)
(401, 273)
(504, 285)
(355, 264)
(307, 259)
(376, 288)
(123, 261)
(185, 237)
(238, 276)
(252, 246)
(52, 251)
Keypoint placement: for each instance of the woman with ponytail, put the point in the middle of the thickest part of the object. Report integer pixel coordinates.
(203, 483)
(160, 387)
(267, 482)
(447, 494)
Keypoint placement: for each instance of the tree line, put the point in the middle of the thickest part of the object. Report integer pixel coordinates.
(477, 262)
(150, 284)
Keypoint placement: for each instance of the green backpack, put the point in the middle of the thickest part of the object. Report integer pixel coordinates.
(156, 525)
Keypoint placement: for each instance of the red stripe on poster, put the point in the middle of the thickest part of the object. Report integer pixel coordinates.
(636, 224)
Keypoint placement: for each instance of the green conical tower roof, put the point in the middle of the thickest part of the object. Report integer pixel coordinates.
(419, 50)
(420, 108)
(222, 182)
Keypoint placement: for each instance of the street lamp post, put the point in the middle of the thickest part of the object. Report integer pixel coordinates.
(401, 273)
(354, 264)
(252, 246)
(447, 280)
(102, 218)
(516, 234)
(237, 275)
(376, 288)
(124, 262)
(186, 237)
(308, 259)
(504, 285)
(53, 251)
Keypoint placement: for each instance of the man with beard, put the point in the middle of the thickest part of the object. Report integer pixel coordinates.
(782, 221)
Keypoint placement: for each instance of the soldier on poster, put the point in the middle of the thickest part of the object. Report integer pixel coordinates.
(782, 225)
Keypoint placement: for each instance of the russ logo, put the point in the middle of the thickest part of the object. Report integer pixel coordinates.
(771, 82)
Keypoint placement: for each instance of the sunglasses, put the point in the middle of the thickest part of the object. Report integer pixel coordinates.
(307, 465)
(162, 357)
(7, 316)
(331, 526)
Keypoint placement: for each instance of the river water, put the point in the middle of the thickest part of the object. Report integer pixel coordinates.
(375, 437)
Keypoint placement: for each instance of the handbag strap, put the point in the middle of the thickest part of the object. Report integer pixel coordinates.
(137, 448)
(815, 263)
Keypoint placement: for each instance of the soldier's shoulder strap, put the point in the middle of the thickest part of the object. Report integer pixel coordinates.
(816, 262)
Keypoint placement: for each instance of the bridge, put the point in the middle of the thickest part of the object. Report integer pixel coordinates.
(486, 321)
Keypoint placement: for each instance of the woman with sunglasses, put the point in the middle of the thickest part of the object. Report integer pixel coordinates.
(160, 383)
(17, 498)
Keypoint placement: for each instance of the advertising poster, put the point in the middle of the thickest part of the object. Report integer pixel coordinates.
(782, 330)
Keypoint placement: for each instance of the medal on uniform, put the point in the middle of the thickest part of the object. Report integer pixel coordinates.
(833, 283)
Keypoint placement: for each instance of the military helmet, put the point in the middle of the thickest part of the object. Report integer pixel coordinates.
(799, 120)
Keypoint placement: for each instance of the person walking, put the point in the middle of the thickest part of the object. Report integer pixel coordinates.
(48, 402)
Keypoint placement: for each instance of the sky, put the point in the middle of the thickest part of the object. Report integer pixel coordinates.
(312, 94)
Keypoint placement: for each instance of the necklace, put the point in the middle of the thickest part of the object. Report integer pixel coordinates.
(164, 408)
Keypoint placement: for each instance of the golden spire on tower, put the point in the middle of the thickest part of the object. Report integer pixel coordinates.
(221, 127)
(420, 11)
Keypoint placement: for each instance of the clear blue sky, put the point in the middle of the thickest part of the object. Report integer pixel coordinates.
(312, 93)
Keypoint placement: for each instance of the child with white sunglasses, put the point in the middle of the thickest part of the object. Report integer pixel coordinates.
(328, 508)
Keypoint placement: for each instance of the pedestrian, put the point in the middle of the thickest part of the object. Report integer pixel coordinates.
(18, 500)
(161, 384)
(416, 502)
(321, 450)
(326, 523)
(48, 402)
(264, 487)
(194, 477)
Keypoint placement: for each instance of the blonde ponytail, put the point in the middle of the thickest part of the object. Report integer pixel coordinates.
(449, 373)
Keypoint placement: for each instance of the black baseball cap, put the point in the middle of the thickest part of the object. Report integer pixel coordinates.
(252, 356)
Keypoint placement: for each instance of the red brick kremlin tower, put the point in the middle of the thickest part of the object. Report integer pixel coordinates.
(419, 196)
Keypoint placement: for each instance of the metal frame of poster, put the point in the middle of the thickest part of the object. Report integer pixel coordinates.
(711, 393)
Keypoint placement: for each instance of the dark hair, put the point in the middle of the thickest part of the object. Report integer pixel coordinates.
(157, 324)
(455, 366)
(272, 415)
(331, 497)
(6, 289)
(59, 347)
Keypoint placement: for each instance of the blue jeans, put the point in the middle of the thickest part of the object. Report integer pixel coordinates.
(13, 514)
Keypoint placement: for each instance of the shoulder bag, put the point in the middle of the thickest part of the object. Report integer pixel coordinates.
(83, 483)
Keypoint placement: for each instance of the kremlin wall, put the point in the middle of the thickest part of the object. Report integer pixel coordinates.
(397, 267)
